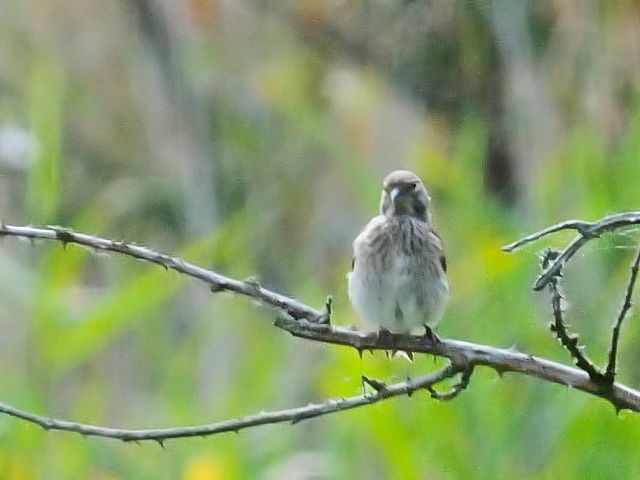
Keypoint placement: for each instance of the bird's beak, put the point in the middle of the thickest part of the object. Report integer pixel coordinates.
(395, 193)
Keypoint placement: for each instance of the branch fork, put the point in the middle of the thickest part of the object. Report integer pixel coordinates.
(553, 262)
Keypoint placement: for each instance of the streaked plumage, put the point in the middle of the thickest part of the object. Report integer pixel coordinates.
(398, 280)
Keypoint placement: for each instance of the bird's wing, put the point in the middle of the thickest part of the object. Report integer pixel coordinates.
(364, 236)
(438, 243)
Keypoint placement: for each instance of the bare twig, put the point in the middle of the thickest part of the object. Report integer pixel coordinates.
(581, 226)
(586, 230)
(610, 373)
(293, 415)
(216, 282)
(569, 341)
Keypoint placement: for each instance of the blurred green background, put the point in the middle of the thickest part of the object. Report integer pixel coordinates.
(251, 137)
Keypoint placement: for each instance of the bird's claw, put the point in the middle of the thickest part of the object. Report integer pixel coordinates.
(430, 336)
(385, 335)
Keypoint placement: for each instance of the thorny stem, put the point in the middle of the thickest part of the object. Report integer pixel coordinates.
(586, 230)
(553, 263)
(610, 373)
(293, 415)
(569, 341)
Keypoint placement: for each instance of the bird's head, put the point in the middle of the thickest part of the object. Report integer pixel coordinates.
(403, 193)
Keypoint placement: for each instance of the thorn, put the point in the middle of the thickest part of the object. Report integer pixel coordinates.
(65, 235)
(403, 354)
(252, 282)
(500, 371)
(410, 388)
(548, 256)
(430, 336)
(216, 287)
(514, 348)
(119, 246)
(359, 351)
(160, 442)
(328, 307)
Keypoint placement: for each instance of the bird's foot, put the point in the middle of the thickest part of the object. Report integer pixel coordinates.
(430, 336)
(385, 335)
(389, 338)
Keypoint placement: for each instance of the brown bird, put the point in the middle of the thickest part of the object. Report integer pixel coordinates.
(398, 280)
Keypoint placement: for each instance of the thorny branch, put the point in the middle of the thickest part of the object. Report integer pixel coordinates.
(293, 415)
(559, 327)
(613, 351)
(216, 282)
(586, 231)
(465, 355)
(552, 263)
(307, 322)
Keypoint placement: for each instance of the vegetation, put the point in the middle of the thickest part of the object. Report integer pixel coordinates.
(252, 137)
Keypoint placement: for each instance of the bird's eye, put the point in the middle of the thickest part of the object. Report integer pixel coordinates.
(412, 185)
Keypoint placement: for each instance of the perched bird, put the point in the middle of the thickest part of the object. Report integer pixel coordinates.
(398, 280)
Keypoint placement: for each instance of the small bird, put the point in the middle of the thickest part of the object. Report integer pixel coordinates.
(398, 280)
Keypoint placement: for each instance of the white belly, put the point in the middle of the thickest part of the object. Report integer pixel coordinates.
(404, 297)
